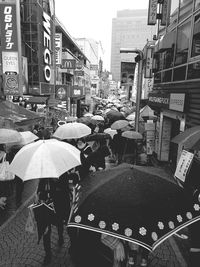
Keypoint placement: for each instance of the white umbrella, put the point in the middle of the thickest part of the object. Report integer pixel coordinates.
(45, 159)
(110, 132)
(131, 117)
(27, 137)
(97, 118)
(72, 131)
(8, 136)
(132, 135)
(88, 115)
(119, 124)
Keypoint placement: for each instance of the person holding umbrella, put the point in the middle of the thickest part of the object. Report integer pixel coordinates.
(117, 146)
(56, 191)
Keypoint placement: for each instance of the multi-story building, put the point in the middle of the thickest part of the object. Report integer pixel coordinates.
(176, 90)
(129, 30)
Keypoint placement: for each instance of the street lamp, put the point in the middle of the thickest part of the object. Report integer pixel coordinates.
(139, 59)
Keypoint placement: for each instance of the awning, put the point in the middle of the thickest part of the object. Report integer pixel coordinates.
(37, 100)
(15, 113)
(165, 43)
(188, 138)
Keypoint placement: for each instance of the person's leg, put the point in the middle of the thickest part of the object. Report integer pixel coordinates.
(60, 232)
(47, 245)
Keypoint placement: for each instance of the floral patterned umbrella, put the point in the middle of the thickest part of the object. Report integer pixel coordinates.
(133, 204)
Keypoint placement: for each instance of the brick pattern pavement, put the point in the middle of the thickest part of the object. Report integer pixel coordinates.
(19, 248)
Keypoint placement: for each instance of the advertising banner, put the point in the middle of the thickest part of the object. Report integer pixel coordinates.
(11, 83)
(10, 62)
(8, 26)
(149, 63)
(24, 75)
(68, 64)
(152, 12)
(165, 13)
(76, 91)
(127, 73)
(62, 92)
(58, 48)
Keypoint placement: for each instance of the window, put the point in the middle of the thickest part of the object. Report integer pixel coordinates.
(167, 76)
(185, 9)
(157, 77)
(179, 74)
(183, 36)
(197, 4)
(174, 11)
(194, 71)
(196, 37)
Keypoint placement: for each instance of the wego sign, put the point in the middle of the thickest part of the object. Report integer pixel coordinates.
(47, 46)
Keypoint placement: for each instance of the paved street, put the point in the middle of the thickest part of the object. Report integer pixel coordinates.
(19, 248)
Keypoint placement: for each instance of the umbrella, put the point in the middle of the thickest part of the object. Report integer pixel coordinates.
(72, 131)
(45, 159)
(9, 136)
(87, 121)
(27, 137)
(132, 135)
(110, 132)
(131, 117)
(88, 115)
(97, 136)
(119, 124)
(97, 118)
(114, 115)
(70, 119)
(188, 138)
(133, 204)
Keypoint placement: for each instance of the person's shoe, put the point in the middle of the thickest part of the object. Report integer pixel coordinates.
(47, 259)
(60, 241)
(143, 263)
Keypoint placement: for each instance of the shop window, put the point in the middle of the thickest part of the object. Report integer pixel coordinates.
(167, 76)
(174, 11)
(183, 37)
(179, 74)
(185, 9)
(193, 71)
(197, 4)
(196, 37)
(157, 77)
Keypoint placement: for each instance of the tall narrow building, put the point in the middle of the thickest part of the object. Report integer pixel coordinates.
(129, 30)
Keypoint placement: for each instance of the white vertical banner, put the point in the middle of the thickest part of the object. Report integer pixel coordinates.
(58, 48)
(152, 12)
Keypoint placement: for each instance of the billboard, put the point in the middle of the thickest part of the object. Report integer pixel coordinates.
(127, 73)
(152, 12)
(58, 48)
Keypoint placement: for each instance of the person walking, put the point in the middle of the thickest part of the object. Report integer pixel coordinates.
(117, 146)
(86, 150)
(56, 191)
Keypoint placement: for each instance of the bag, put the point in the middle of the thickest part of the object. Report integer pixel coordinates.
(30, 225)
(5, 174)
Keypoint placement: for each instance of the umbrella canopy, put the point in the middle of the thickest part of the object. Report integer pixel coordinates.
(72, 131)
(88, 115)
(188, 138)
(131, 117)
(110, 132)
(134, 205)
(97, 118)
(114, 115)
(132, 135)
(8, 136)
(119, 124)
(45, 159)
(87, 121)
(27, 137)
(97, 136)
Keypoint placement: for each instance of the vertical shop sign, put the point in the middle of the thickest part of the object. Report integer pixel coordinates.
(149, 63)
(127, 72)
(165, 13)
(58, 48)
(152, 12)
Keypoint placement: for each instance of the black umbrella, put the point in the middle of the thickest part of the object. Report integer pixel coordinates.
(97, 136)
(114, 115)
(134, 205)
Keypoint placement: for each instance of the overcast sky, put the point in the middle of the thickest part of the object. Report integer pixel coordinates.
(93, 19)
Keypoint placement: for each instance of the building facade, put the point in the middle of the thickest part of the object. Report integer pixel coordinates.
(176, 67)
(129, 30)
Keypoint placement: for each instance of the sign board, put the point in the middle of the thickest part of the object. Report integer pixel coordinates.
(165, 13)
(68, 64)
(46, 88)
(79, 65)
(149, 63)
(93, 67)
(79, 72)
(176, 102)
(183, 165)
(160, 100)
(127, 72)
(152, 12)
(11, 83)
(8, 26)
(62, 92)
(10, 61)
(76, 91)
(58, 48)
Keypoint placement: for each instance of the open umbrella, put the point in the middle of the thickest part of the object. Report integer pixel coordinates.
(110, 132)
(119, 124)
(133, 204)
(27, 137)
(97, 136)
(132, 135)
(72, 131)
(8, 136)
(114, 115)
(98, 118)
(45, 159)
(88, 115)
(131, 117)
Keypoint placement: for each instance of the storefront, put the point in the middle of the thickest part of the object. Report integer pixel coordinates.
(170, 109)
(77, 99)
